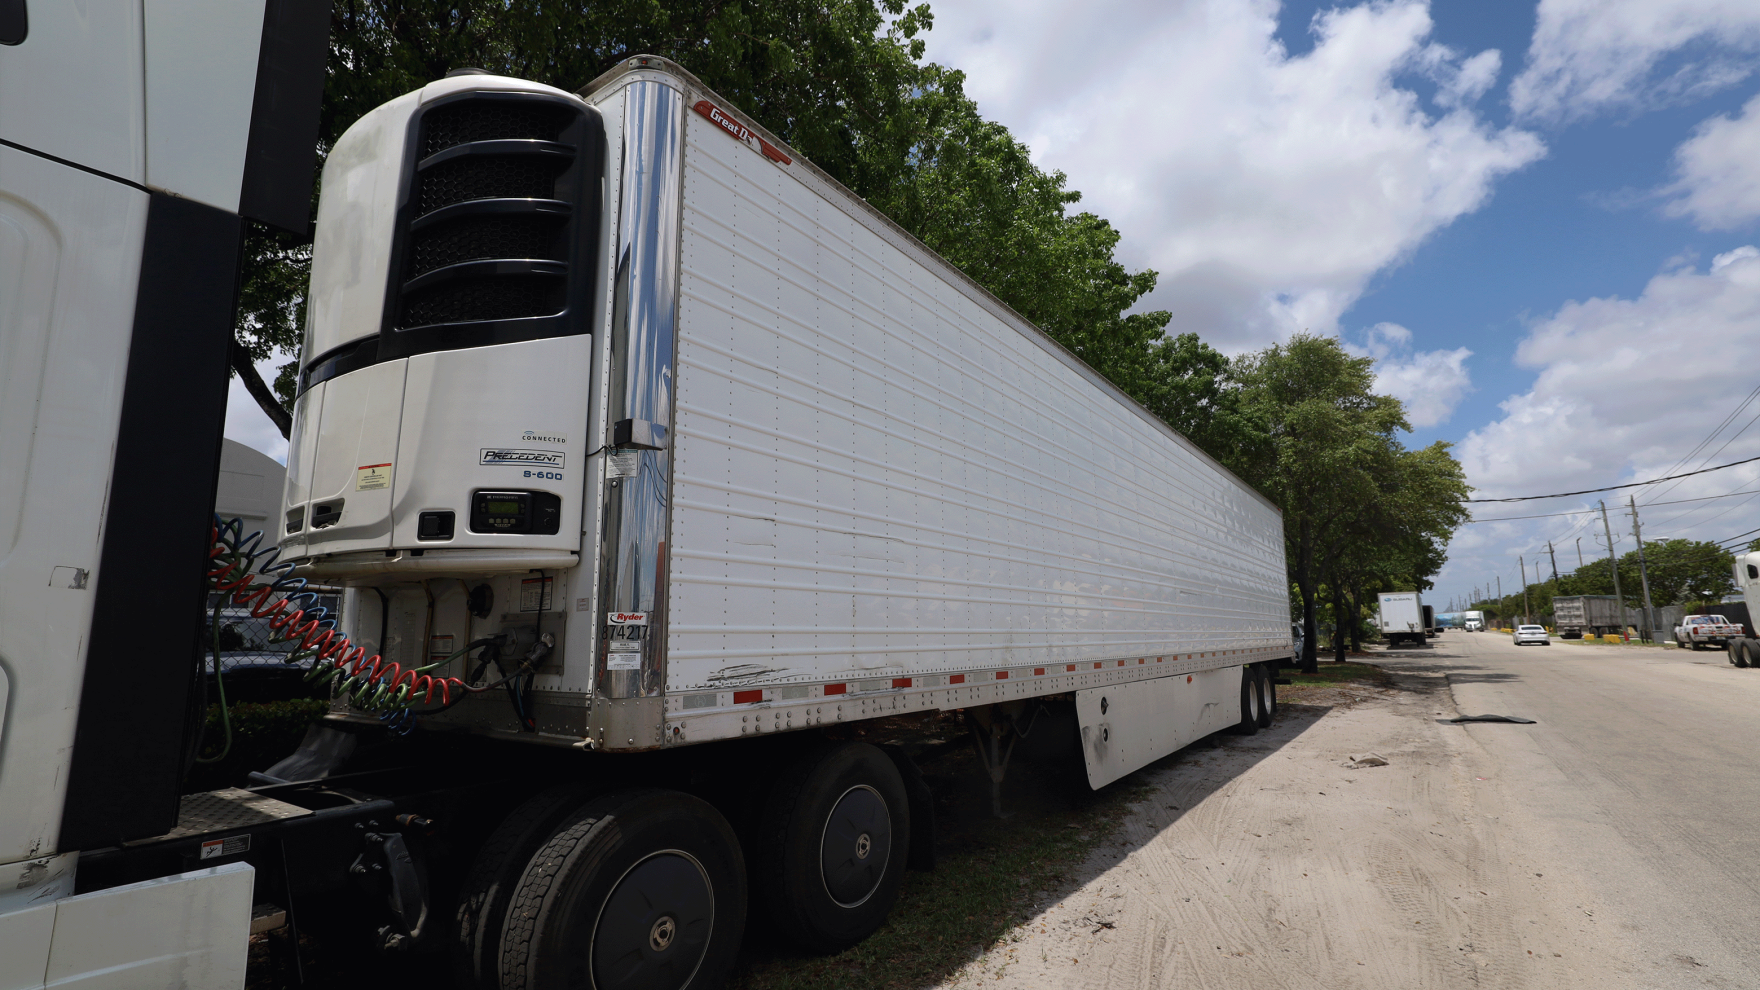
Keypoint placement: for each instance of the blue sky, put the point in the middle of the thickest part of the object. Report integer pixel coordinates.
(1538, 217)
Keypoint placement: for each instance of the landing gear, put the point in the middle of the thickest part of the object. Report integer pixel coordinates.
(832, 848)
(638, 890)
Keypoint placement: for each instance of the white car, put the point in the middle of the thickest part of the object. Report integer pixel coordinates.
(1532, 634)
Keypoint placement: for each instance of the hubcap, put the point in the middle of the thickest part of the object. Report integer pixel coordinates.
(660, 936)
(654, 929)
(854, 847)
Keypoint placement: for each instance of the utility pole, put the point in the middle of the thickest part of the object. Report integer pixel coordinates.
(1643, 575)
(1527, 610)
(1579, 553)
(1613, 565)
(1554, 557)
(1500, 593)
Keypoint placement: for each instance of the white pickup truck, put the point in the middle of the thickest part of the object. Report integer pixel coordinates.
(1698, 631)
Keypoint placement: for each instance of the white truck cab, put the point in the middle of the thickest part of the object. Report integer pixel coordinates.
(136, 138)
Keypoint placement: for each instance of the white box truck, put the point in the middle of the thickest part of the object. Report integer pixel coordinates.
(662, 471)
(1402, 619)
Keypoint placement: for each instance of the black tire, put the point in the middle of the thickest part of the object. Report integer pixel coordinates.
(1249, 722)
(1739, 653)
(832, 848)
(1262, 681)
(1270, 681)
(639, 889)
(1696, 646)
(494, 876)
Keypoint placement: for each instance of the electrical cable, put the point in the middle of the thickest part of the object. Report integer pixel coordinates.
(1610, 488)
(1578, 512)
(1701, 445)
(368, 683)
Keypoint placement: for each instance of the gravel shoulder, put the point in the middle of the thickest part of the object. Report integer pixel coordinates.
(1271, 861)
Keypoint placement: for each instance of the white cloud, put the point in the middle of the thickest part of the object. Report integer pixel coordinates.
(1589, 56)
(245, 420)
(1718, 172)
(1626, 388)
(1430, 383)
(1266, 189)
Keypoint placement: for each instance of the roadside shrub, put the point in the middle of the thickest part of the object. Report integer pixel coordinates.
(262, 733)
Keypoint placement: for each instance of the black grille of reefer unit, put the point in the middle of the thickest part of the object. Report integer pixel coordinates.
(498, 225)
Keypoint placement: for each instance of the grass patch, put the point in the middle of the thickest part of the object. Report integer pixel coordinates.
(992, 876)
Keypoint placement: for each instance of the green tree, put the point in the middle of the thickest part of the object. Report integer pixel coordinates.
(1335, 466)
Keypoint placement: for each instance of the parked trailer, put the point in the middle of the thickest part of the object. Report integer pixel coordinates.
(689, 468)
(1402, 618)
(1596, 615)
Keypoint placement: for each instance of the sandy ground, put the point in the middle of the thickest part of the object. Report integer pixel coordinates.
(1269, 861)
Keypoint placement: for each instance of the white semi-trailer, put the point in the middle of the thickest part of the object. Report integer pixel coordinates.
(663, 473)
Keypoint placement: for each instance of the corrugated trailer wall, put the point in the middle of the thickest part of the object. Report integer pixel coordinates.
(878, 474)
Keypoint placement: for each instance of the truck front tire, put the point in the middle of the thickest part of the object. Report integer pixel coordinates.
(832, 848)
(639, 889)
(495, 877)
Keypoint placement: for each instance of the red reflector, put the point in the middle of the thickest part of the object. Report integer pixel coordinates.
(1139, 659)
(836, 688)
(1069, 666)
(901, 682)
(1121, 663)
(1097, 666)
(747, 697)
(1002, 675)
(1037, 671)
(1188, 678)
(957, 679)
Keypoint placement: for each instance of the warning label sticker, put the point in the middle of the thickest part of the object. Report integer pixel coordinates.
(232, 845)
(623, 654)
(534, 594)
(372, 477)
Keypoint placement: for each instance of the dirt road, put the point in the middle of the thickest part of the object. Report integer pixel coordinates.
(1484, 855)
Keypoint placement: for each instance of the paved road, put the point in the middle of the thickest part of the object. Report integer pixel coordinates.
(1642, 777)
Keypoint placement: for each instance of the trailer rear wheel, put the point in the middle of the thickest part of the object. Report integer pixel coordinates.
(640, 889)
(1268, 678)
(833, 847)
(1267, 693)
(1249, 722)
(494, 878)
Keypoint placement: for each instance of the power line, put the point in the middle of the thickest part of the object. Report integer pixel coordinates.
(1611, 488)
(1577, 512)
(1701, 445)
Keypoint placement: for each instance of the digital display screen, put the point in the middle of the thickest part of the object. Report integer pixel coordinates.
(502, 508)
